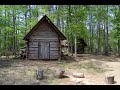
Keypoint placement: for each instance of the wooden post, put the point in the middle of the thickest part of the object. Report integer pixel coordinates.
(109, 79)
(39, 74)
(59, 73)
(60, 49)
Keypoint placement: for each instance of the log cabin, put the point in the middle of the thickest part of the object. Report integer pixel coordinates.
(43, 40)
(81, 45)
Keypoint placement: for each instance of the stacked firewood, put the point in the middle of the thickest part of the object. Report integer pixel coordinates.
(23, 53)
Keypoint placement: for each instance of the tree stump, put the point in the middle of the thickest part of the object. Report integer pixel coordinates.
(39, 74)
(109, 79)
(59, 73)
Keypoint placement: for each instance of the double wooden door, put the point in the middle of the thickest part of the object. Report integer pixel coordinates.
(44, 50)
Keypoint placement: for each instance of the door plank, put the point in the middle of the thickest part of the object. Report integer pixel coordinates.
(44, 50)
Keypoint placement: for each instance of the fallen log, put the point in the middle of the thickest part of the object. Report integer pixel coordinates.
(78, 75)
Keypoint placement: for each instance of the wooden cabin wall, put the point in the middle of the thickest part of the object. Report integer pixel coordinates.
(44, 33)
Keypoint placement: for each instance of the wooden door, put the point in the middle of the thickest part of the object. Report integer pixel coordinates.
(44, 50)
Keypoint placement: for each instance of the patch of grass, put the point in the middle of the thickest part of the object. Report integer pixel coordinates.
(89, 66)
(52, 80)
(61, 62)
(48, 71)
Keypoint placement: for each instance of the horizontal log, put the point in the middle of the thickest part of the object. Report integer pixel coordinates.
(33, 52)
(44, 32)
(54, 56)
(44, 36)
(54, 44)
(35, 49)
(33, 44)
(54, 52)
(33, 56)
(50, 39)
(39, 40)
(78, 75)
(56, 48)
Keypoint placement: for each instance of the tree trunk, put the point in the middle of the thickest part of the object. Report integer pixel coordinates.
(98, 38)
(0, 40)
(90, 29)
(119, 47)
(68, 43)
(14, 33)
(5, 33)
(30, 16)
(119, 34)
(71, 44)
(75, 44)
(25, 14)
(58, 17)
(92, 40)
(106, 32)
(69, 18)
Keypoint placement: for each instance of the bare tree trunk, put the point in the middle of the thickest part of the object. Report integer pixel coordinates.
(99, 48)
(98, 38)
(106, 32)
(14, 34)
(25, 20)
(69, 18)
(90, 30)
(29, 8)
(92, 40)
(71, 44)
(119, 47)
(0, 40)
(58, 17)
(5, 33)
(68, 43)
(119, 35)
(75, 45)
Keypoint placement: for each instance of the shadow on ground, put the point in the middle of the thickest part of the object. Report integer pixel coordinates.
(5, 63)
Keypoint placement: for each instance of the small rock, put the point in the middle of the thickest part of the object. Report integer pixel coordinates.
(78, 75)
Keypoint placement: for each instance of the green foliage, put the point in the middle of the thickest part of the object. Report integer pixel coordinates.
(17, 20)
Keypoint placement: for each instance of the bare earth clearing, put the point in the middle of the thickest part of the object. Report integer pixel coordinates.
(22, 72)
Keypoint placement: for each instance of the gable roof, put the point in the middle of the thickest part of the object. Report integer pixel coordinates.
(49, 22)
(82, 41)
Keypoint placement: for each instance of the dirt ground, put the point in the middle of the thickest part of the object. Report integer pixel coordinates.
(95, 68)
